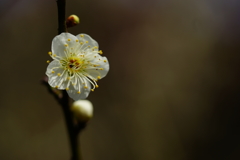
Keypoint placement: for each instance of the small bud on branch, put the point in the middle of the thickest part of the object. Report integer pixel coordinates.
(72, 21)
(82, 110)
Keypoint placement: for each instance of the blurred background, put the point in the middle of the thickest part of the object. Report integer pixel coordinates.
(172, 93)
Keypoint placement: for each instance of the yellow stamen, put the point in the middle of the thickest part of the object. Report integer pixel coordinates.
(59, 74)
(100, 52)
(65, 45)
(54, 55)
(98, 77)
(81, 43)
(67, 89)
(105, 61)
(48, 61)
(85, 87)
(86, 42)
(77, 40)
(78, 92)
(69, 39)
(53, 72)
(97, 86)
(50, 53)
(81, 35)
(56, 87)
(92, 89)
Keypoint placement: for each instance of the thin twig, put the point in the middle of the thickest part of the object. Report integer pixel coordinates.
(74, 129)
(61, 16)
(73, 136)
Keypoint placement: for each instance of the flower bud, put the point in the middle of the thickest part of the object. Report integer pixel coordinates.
(72, 20)
(82, 110)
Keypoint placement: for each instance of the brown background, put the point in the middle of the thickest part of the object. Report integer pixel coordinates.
(172, 93)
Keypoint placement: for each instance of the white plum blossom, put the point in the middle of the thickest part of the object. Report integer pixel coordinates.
(76, 65)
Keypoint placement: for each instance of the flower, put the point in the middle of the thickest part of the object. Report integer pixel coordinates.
(76, 65)
(82, 110)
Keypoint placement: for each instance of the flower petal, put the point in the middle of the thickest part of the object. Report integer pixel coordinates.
(56, 75)
(51, 66)
(87, 40)
(73, 93)
(101, 70)
(62, 42)
(55, 80)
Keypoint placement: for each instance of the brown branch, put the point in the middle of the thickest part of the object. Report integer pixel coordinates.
(64, 101)
(61, 16)
(74, 128)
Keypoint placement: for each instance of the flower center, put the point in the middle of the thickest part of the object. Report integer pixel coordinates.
(74, 63)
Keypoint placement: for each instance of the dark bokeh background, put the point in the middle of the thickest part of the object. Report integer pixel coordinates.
(172, 93)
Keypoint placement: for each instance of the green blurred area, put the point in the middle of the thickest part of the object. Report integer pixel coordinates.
(172, 92)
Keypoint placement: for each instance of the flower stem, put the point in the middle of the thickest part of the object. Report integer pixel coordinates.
(64, 101)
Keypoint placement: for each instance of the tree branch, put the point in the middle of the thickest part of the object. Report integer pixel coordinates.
(64, 101)
(61, 16)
